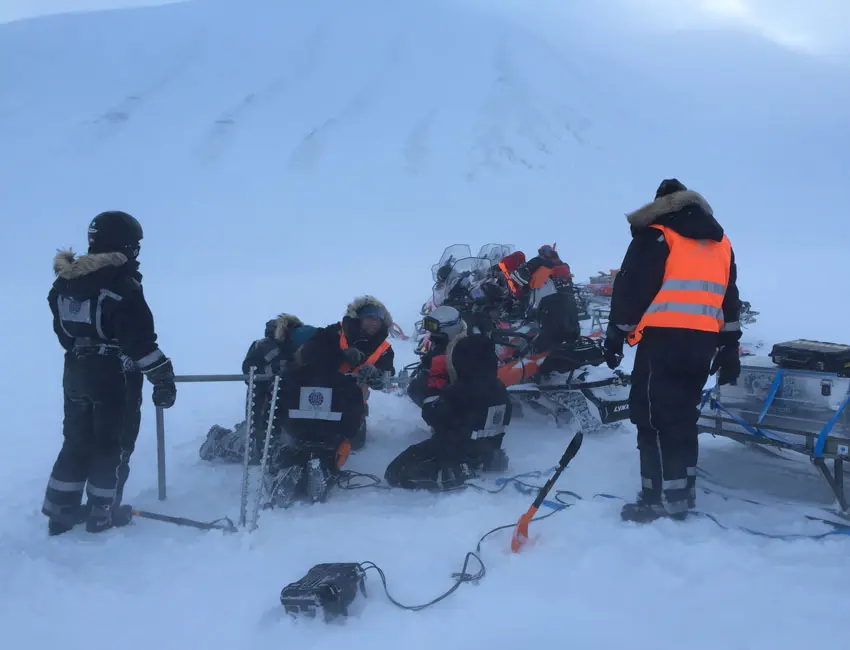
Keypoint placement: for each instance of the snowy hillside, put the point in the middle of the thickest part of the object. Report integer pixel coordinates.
(288, 156)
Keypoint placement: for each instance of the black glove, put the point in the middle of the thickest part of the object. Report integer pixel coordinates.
(164, 388)
(353, 356)
(371, 377)
(727, 365)
(613, 346)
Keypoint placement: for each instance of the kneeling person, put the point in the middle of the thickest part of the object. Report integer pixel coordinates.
(317, 414)
(468, 419)
(446, 328)
(270, 355)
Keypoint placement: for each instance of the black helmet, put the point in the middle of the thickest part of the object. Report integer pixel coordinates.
(115, 232)
(669, 186)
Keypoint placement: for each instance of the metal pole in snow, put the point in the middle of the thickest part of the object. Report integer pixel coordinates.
(160, 452)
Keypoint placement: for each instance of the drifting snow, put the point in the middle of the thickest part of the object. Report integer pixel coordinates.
(288, 157)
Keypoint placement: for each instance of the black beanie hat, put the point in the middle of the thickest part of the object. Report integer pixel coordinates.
(668, 186)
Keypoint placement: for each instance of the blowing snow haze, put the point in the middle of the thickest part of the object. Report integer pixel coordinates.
(302, 153)
(287, 156)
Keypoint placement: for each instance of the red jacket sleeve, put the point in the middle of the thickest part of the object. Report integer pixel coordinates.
(438, 376)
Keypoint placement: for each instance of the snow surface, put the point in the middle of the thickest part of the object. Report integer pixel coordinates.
(290, 156)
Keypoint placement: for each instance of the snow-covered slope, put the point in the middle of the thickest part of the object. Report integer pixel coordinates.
(288, 156)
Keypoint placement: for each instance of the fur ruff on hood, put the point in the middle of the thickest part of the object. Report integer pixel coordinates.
(284, 324)
(450, 366)
(362, 301)
(68, 266)
(647, 215)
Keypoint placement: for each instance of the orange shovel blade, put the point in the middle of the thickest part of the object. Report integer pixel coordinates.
(521, 531)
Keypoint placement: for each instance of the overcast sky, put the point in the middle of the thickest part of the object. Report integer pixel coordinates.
(814, 26)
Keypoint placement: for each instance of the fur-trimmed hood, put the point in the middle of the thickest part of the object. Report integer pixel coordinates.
(284, 324)
(650, 213)
(362, 301)
(68, 266)
(450, 367)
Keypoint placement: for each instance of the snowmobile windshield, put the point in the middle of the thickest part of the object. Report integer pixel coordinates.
(465, 275)
(495, 252)
(451, 255)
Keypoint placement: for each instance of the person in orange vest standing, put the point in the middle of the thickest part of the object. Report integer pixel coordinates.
(676, 299)
(358, 345)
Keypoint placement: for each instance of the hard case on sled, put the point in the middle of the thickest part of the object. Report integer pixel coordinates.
(794, 404)
(819, 356)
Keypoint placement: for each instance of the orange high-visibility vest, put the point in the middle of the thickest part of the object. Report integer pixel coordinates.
(539, 277)
(370, 360)
(694, 285)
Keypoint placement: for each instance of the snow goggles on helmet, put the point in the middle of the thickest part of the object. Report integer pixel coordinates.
(430, 324)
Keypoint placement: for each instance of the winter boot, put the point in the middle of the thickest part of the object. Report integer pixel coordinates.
(282, 487)
(319, 481)
(103, 518)
(646, 509)
(59, 525)
(497, 461)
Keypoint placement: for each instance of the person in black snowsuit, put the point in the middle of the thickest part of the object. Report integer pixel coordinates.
(319, 411)
(270, 355)
(106, 328)
(672, 363)
(468, 419)
(549, 297)
(358, 344)
(445, 327)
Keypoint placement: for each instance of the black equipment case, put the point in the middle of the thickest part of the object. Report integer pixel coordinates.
(817, 356)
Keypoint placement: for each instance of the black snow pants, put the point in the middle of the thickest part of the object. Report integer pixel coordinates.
(102, 417)
(418, 466)
(670, 370)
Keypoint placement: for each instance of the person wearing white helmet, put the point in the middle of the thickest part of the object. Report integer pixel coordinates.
(468, 421)
(445, 327)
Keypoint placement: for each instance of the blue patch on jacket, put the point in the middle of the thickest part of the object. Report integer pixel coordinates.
(300, 335)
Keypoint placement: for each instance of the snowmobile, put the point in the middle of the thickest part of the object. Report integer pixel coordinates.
(474, 270)
(748, 315)
(567, 382)
(563, 381)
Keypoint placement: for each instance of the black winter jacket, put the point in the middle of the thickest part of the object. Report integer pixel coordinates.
(324, 348)
(642, 271)
(97, 299)
(462, 408)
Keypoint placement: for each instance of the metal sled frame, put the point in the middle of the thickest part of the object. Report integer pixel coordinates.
(819, 447)
(160, 420)
(197, 379)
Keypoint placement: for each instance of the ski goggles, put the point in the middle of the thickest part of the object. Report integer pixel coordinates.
(431, 325)
(434, 326)
(547, 251)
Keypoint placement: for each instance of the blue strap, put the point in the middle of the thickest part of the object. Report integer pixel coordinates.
(771, 395)
(750, 531)
(822, 436)
(838, 530)
(754, 430)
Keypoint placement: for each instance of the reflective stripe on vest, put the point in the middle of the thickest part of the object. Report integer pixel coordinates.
(371, 360)
(695, 279)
